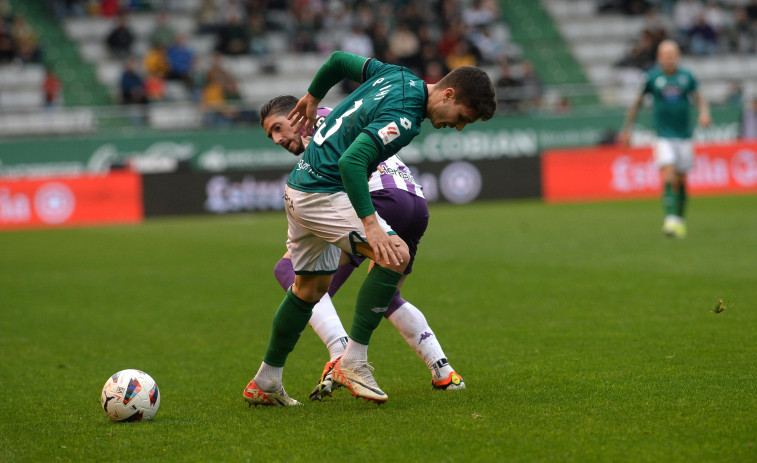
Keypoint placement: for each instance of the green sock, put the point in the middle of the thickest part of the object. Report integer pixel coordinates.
(681, 200)
(372, 301)
(670, 200)
(290, 321)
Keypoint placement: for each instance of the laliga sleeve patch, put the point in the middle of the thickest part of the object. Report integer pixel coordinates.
(389, 133)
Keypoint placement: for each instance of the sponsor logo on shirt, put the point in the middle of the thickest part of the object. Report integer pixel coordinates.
(390, 132)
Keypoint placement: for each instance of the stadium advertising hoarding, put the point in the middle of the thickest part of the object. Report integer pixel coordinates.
(250, 149)
(261, 190)
(587, 174)
(115, 198)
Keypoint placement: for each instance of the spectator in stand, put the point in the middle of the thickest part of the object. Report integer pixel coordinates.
(685, 14)
(110, 8)
(156, 62)
(7, 44)
(703, 39)
(27, 44)
(735, 95)
(208, 17)
(741, 35)
(380, 40)
(162, 34)
(404, 45)
(461, 55)
(450, 38)
(434, 72)
(715, 16)
(357, 42)
(132, 84)
(218, 111)
(531, 85)
(508, 89)
(180, 58)
(232, 37)
(51, 87)
(751, 10)
(258, 34)
(121, 38)
(155, 87)
(480, 13)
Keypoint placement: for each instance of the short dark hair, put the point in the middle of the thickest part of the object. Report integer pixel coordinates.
(283, 104)
(473, 88)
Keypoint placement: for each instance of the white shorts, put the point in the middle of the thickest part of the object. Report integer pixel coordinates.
(321, 225)
(678, 152)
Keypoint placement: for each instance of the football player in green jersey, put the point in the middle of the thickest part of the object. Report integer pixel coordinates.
(672, 88)
(328, 202)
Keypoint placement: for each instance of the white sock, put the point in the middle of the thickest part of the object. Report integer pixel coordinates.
(328, 327)
(268, 377)
(413, 326)
(355, 353)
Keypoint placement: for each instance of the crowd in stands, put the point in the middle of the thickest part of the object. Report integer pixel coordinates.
(18, 40)
(431, 37)
(701, 27)
(19, 45)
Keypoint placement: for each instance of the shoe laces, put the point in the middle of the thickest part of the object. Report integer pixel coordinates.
(365, 372)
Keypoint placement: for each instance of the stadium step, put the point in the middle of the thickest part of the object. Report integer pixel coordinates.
(533, 30)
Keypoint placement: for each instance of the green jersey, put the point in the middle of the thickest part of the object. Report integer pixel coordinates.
(389, 107)
(671, 101)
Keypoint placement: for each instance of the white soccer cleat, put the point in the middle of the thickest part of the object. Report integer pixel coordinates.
(255, 396)
(359, 380)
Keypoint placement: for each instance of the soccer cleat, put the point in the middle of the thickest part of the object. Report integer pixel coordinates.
(451, 383)
(669, 226)
(679, 231)
(255, 396)
(359, 380)
(326, 384)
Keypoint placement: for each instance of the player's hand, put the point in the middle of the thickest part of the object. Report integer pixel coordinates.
(303, 116)
(386, 249)
(624, 138)
(705, 119)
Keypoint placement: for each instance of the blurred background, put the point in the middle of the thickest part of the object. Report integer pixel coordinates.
(166, 86)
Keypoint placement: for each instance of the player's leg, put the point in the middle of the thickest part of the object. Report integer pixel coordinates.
(412, 325)
(408, 215)
(684, 163)
(332, 218)
(324, 320)
(664, 153)
(314, 261)
(290, 320)
(352, 369)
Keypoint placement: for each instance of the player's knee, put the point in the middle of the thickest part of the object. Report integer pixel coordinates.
(311, 289)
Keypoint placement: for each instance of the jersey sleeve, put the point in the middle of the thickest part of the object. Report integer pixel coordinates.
(340, 65)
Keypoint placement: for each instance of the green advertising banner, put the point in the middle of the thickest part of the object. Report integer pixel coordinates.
(249, 148)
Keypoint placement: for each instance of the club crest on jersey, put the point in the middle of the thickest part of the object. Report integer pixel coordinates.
(390, 132)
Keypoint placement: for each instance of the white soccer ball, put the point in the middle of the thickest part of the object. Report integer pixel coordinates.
(130, 395)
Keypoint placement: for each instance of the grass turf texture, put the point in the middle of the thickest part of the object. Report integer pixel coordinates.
(582, 334)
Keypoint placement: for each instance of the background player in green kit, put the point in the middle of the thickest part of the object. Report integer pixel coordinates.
(327, 201)
(671, 88)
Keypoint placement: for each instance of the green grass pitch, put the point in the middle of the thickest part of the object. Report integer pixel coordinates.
(582, 334)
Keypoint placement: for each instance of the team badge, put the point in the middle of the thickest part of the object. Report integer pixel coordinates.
(390, 132)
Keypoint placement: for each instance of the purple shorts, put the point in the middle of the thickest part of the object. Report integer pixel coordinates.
(406, 213)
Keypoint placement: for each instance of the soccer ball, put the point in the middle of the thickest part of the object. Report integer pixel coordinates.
(130, 395)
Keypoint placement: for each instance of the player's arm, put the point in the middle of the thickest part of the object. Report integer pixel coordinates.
(705, 118)
(624, 137)
(353, 167)
(340, 65)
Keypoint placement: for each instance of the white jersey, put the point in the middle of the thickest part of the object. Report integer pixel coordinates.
(393, 173)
